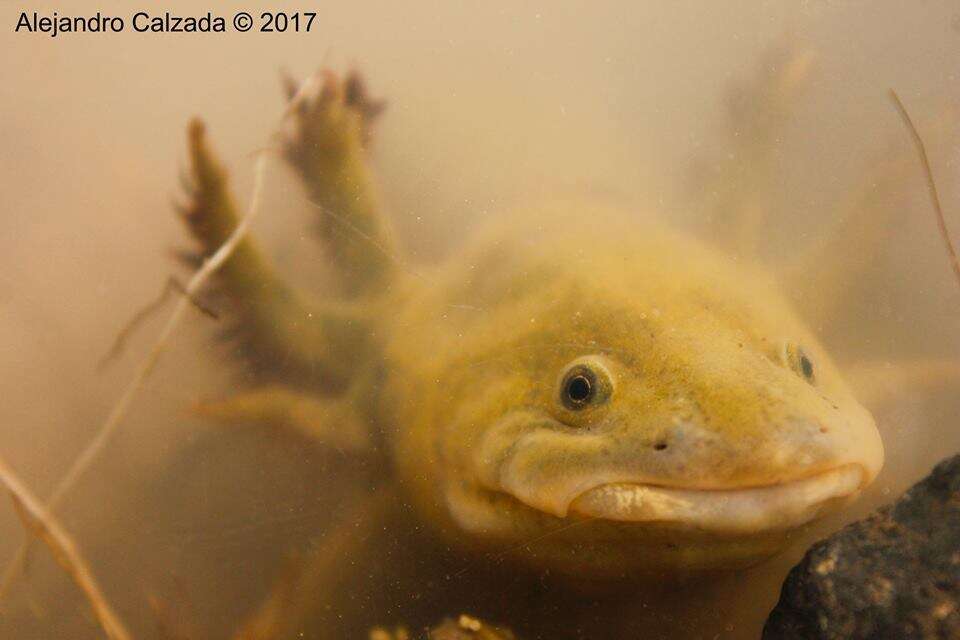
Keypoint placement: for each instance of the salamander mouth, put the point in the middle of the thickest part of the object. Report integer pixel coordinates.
(734, 511)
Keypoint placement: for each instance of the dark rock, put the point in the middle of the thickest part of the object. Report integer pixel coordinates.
(894, 575)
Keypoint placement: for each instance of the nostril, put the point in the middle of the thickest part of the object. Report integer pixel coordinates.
(660, 446)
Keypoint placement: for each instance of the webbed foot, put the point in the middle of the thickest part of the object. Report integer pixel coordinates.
(282, 329)
(737, 188)
(326, 145)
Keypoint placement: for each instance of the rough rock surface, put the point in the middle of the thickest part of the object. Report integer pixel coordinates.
(893, 575)
(464, 628)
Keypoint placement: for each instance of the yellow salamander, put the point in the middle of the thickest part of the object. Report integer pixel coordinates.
(611, 369)
(636, 401)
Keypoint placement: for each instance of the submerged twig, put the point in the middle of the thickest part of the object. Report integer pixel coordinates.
(103, 435)
(37, 518)
(173, 284)
(109, 426)
(931, 184)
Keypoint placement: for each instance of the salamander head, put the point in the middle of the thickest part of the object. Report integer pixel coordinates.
(647, 406)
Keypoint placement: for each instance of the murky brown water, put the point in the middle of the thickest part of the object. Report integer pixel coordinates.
(489, 105)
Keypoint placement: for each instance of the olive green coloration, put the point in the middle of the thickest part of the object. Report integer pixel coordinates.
(637, 401)
(593, 351)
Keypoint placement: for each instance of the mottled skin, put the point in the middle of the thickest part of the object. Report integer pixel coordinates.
(704, 395)
(715, 423)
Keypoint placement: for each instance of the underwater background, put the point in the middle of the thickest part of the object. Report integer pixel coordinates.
(489, 105)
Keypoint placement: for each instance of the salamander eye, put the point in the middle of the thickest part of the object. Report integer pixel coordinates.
(583, 385)
(579, 387)
(798, 360)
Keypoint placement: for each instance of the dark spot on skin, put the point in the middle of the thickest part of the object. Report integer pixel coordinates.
(660, 446)
(806, 367)
(823, 430)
